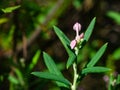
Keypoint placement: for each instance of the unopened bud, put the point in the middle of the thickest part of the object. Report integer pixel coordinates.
(73, 44)
(77, 26)
(81, 36)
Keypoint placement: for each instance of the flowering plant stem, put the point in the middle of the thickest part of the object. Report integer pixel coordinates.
(74, 85)
(73, 52)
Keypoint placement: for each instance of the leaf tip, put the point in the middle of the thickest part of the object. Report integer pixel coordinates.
(94, 18)
(67, 66)
(54, 27)
(106, 43)
(32, 73)
(44, 52)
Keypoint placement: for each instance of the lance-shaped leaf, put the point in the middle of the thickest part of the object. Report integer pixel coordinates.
(97, 56)
(71, 59)
(96, 69)
(66, 43)
(34, 60)
(52, 67)
(63, 38)
(51, 64)
(10, 9)
(89, 29)
(51, 76)
(118, 80)
(13, 79)
(114, 15)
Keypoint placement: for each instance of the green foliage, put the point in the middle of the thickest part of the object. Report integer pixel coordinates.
(118, 80)
(6, 39)
(77, 4)
(89, 29)
(52, 67)
(10, 9)
(34, 60)
(96, 69)
(114, 82)
(3, 20)
(18, 29)
(116, 54)
(19, 76)
(51, 76)
(51, 64)
(97, 56)
(55, 74)
(63, 38)
(114, 15)
(31, 23)
(66, 42)
(13, 79)
(71, 59)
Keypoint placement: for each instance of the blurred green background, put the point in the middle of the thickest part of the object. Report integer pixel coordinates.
(28, 30)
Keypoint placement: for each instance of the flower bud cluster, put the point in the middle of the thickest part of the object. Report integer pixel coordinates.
(78, 38)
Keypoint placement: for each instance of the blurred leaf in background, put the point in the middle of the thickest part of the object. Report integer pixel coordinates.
(115, 16)
(3, 20)
(10, 9)
(116, 54)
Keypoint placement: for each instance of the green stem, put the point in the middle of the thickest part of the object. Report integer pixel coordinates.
(74, 85)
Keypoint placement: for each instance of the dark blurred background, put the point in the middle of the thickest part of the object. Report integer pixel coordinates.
(29, 29)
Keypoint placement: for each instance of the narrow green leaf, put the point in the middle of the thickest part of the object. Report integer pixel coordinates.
(71, 59)
(51, 76)
(116, 54)
(10, 9)
(114, 15)
(96, 69)
(118, 79)
(66, 43)
(19, 75)
(63, 38)
(52, 67)
(111, 79)
(97, 56)
(34, 60)
(51, 64)
(89, 29)
(13, 79)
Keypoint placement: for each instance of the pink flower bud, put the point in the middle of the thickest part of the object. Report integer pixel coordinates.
(106, 78)
(81, 35)
(78, 38)
(73, 44)
(77, 27)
